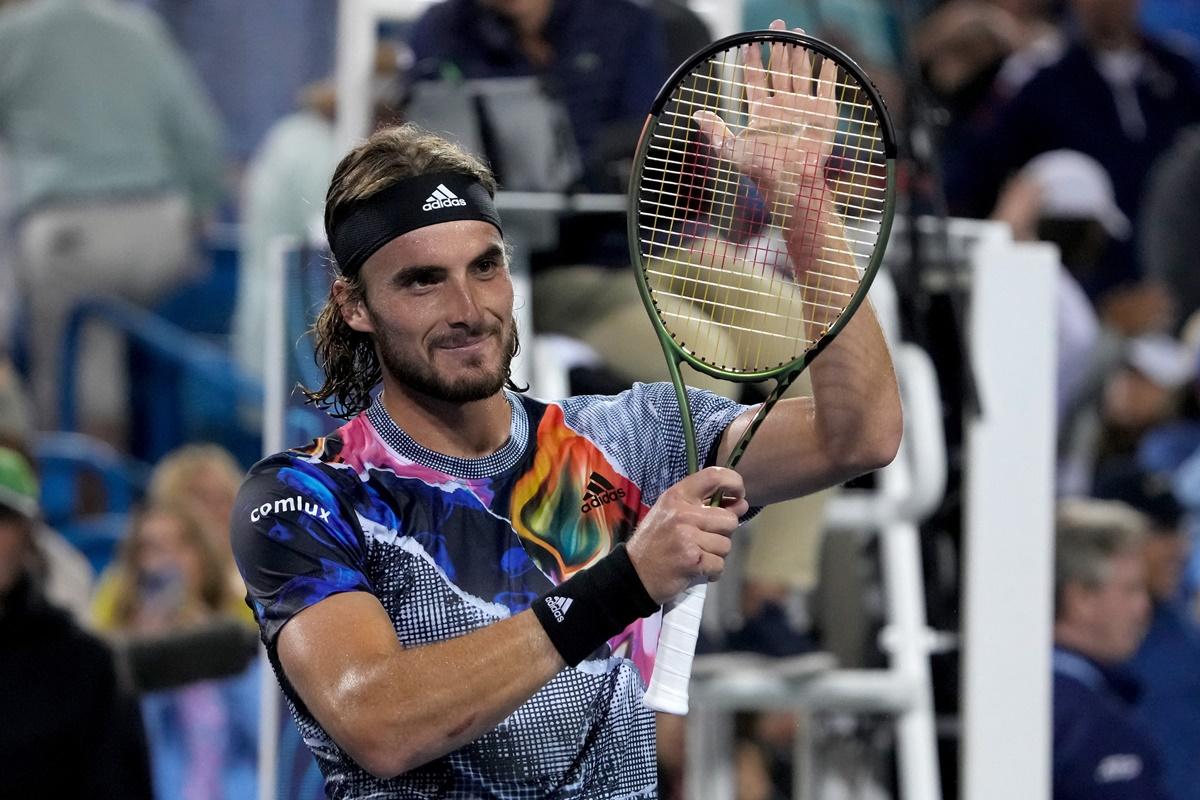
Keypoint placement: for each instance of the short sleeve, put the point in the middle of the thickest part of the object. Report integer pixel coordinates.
(296, 539)
(642, 429)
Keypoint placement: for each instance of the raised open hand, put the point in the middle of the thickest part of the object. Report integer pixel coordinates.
(790, 126)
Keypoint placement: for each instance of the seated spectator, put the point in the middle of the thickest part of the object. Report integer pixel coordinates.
(69, 728)
(1130, 95)
(1167, 664)
(603, 59)
(283, 194)
(202, 735)
(113, 158)
(1100, 748)
(203, 479)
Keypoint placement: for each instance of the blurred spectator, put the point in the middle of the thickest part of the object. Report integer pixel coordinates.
(69, 728)
(1129, 97)
(1167, 665)
(1117, 372)
(1170, 223)
(1100, 748)
(113, 156)
(1145, 395)
(283, 194)
(684, 30)
(202, 735)
(202, 479)
(866, 29)
(253, 58)
(1066, 198)
(604, 60)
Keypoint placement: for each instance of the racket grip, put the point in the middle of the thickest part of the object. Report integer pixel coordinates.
(668, 690)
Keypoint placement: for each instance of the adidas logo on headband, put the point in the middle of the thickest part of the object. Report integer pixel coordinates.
(442, 198)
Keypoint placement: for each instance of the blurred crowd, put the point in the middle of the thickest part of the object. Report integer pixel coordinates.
(136, 134)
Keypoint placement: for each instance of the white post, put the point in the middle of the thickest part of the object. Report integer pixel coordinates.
(275, 370)
(358, 28)
(1009, 490)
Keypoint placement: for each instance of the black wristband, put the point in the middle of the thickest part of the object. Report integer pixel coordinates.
(596, 604)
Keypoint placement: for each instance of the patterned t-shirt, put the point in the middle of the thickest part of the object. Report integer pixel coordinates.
(450, 545)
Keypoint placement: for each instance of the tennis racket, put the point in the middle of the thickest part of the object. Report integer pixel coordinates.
(760, 204)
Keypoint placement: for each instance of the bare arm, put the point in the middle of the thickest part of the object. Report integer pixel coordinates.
(342, 657)
(853, 421)
(851, 424)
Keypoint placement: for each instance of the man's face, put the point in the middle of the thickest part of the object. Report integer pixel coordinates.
(438, 302)
(1113, 615)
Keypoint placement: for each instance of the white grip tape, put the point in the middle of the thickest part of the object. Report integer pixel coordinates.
(668, 690)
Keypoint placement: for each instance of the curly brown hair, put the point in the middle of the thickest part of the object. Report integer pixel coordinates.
(347, 356)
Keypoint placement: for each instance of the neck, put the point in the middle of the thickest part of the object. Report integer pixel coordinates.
(1070, 637)
(461, 430)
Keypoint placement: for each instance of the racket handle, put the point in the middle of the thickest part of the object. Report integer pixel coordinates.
(668, 690)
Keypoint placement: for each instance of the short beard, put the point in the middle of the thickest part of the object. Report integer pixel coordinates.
(423, 378)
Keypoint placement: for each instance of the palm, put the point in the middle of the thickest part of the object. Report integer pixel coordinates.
(790, 124)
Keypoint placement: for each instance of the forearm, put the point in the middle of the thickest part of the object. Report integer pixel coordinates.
(856, 397)
(855, 394)
(397, 708)
(469, 685)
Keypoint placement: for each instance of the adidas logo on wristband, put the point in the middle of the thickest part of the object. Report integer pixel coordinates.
(558, 606)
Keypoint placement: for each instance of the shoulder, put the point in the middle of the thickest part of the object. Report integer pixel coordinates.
(308, 480)
(1089, 723)
(647, 403)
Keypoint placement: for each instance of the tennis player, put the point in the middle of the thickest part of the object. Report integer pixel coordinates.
(458, 589)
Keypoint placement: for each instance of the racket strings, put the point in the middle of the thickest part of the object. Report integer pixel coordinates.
(751, 241)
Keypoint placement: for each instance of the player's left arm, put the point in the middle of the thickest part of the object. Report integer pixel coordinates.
(849, 426)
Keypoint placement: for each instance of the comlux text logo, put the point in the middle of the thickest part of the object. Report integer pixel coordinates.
(297, 503)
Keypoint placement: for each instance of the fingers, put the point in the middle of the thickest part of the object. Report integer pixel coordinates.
(755, 75)
(827, 80)
(802, 69)
(714, 129)
(780, 66)
(702, 485)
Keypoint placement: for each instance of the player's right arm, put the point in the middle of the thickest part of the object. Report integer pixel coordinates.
(393, 708)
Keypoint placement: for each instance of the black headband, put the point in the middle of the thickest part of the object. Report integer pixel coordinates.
(363, 226)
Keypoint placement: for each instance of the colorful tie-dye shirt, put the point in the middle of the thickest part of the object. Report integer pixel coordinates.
(450, 545)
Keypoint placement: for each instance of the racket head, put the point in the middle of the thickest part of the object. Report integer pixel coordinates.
(683, 184)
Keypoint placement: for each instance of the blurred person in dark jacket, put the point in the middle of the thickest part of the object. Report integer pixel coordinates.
(1129, 96)
(69, 728)
(1101, 608)
(1167, 664)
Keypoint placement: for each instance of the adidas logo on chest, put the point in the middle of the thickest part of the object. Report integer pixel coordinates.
(442, 197)
(600, 493)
